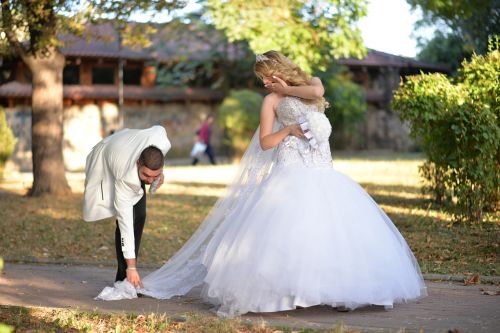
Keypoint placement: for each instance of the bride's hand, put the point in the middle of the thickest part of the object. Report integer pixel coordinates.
(295, 130)
(278, 86)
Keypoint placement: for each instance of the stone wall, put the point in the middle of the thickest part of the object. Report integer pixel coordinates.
(181, 120)
(86, 125)
(82, 130)
(382, 128)
(19, 120)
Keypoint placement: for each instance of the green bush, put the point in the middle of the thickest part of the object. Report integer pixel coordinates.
(7, 141)
(239, 115)
(4, 328)
(347, 106)
(457, 125)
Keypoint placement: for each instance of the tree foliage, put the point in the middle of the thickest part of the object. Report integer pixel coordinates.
(311, 33)
(239, 115)
(347, 104)
(38, 24)
(458, 126)
(444, 48)
(7, 141)
(469, 24)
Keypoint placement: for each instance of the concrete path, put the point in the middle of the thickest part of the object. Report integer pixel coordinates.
(449, 306)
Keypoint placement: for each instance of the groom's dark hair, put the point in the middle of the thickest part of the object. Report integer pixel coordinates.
(152, 158)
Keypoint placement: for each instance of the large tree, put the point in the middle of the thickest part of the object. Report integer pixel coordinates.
(31, 31)
(444, 48)
(465, 26)
(312, 33)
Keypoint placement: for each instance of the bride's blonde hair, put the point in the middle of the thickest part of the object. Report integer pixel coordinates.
(273, 63)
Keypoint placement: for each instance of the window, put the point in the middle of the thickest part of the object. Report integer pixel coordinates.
(71, 74)
(132, 76)
(103, 75)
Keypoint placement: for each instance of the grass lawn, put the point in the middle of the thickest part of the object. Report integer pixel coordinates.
(52, 228)
(64, 320)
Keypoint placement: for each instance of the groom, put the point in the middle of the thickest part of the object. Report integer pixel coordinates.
(116, 172)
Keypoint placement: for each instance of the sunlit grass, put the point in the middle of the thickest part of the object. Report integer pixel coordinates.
(49, 228)
(64, 320)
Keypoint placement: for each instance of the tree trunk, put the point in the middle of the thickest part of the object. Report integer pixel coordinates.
(47, 123)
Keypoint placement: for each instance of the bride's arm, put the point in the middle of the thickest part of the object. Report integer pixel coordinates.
(268, 139)
(312, 91)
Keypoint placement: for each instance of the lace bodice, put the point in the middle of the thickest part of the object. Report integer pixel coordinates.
(293, 150)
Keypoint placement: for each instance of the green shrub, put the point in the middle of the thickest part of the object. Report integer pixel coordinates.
(7, 141)
(239, 115)
(4, 328)
(457, 125)
(347, 106)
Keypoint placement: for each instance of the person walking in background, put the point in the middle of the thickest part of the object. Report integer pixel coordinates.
(204, 134)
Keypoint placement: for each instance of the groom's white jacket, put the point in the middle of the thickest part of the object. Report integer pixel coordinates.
(112, 184)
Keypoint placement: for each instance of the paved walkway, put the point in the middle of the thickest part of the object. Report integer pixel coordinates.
(449, 306)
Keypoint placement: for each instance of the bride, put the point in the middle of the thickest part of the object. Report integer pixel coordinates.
(290, 231)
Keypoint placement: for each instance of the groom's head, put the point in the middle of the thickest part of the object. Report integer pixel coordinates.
(150, 164)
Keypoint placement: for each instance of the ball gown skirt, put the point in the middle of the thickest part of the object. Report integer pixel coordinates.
(308, 236)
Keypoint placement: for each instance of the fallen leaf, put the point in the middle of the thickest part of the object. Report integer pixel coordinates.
(140, 319)
(474, 279)
(491, 292)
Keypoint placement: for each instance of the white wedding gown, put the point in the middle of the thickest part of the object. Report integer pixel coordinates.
(291, 232)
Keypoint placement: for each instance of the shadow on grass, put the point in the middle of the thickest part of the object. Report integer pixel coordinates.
(23, 320)
(46, 227)
(53, 228)
(397, 195)
(369, 155)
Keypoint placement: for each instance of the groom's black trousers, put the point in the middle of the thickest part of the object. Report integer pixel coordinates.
(139, 220)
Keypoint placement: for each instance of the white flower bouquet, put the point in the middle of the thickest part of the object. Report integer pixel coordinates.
(316, 128)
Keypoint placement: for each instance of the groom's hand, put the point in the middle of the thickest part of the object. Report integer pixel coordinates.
(132, 273)
(134, 278)
(162, 178)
